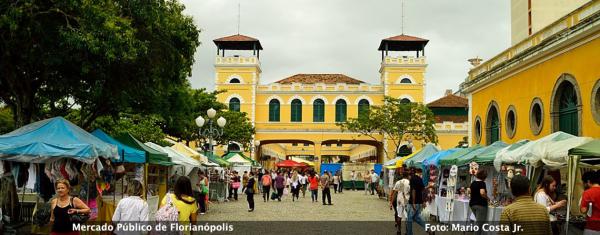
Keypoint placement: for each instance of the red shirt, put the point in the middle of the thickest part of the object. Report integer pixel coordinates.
(314, 183)
(592, 195)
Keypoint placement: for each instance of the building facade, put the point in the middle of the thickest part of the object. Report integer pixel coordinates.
(297, 116)
(529, 17)
(548, 82)
(451, 114)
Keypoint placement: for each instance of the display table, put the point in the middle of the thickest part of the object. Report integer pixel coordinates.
(461, 211)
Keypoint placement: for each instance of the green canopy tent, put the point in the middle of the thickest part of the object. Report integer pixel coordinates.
(589, 150)
(589, 154)
(216, 159)
(426, 152)
(453, 158)
(488, 155)
(153, 156)
(239, 155)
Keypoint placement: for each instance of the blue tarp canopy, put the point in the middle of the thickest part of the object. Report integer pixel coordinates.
(418, 158)
(53, 138)
(435, 158)
(126, 153)
(330, 167)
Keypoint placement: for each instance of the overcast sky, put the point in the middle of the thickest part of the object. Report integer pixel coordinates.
(342, 36)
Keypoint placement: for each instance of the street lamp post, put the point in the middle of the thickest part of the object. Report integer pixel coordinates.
(211, 131)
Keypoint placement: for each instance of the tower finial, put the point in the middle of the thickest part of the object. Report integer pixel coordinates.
(402, 17)
(238, 28)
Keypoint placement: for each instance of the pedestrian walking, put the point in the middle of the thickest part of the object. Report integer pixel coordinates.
(367, 179)
(325, 187)
(279, 185)
(266, 186)
(303, 183)
(131, 208)
(182, 200)
(259, 177)
(399, 199)
(530, 217)
(63, 206)
(250, 191)
(202, 187)
(374, 181)
(479, 199)
(415, 201)
(313, 180)
(341, 185)
(336, 182)
(295, 186)
(235, 185)
(244, 181)
(353, 178)
(590, 204)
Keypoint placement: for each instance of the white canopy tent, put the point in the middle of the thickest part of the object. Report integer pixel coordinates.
(187, 162)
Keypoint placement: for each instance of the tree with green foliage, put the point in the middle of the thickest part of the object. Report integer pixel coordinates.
(146, 128)
(7, 123)
(99, 57)
(397, 121)
(238, 129)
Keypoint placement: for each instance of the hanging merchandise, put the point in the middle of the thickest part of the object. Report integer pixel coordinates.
(32, 172)
(9, 200)
(46, 188)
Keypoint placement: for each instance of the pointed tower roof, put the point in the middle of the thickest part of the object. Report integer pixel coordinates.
(403, 43)
(238, 42)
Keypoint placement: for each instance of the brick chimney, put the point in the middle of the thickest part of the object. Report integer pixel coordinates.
(448, 92)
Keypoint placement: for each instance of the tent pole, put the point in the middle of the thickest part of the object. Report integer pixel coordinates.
(146, 181)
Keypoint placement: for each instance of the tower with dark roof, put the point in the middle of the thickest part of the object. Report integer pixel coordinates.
(402, 74)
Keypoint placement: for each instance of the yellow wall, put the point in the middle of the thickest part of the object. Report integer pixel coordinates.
(449, 140)
(539, 81)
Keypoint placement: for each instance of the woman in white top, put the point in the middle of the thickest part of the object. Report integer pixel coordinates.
(542, 196)
(336, 182)
(295, 185)
(131, 208)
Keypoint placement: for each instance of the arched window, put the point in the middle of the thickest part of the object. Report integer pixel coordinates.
(318, 111)
(296, 114)
(405, 81)
(340, 110)
(363, 108)
(274, 110)
(478, 129)
(492, 124)
(234, 80)
(234, 104)
(233, 147)
(405, 101)
(568, 120)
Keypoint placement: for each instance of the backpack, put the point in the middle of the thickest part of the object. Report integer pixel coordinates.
(168, 212)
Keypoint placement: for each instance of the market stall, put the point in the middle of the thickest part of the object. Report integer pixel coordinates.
(34, 149)
(239, 162)
(154, 173)
(216, 175)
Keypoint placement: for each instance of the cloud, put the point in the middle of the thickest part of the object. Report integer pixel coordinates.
(341, 36)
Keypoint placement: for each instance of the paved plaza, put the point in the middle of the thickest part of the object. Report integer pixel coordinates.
(347, 206)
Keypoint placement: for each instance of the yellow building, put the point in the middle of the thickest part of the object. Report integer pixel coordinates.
(297, 116)
(451, 114)
(529, 17)
(548, 82)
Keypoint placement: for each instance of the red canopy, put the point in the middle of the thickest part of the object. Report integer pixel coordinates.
(290, 163)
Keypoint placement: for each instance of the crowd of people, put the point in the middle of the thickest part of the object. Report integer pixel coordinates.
(532, 211)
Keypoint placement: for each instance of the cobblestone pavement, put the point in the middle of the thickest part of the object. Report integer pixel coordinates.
(347, 206)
